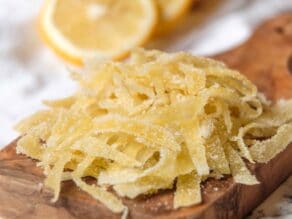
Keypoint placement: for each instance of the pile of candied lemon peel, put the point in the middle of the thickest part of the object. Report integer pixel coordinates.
(156, 121)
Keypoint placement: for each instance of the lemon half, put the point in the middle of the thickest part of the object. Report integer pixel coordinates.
(82, 29)
(170, 12)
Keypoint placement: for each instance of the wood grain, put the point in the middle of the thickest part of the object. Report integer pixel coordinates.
(266, 59)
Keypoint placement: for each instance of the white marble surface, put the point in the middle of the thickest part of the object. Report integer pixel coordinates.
(29, 72)
(278, 205)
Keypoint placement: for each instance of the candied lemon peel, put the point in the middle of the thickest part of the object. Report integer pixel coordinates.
(156, 121)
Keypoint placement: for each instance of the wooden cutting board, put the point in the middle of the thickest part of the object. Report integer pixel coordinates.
(266, 59)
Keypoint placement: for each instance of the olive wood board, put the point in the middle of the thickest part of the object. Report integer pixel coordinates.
(266, 59)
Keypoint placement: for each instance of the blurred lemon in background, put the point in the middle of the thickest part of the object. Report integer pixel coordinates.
(170, 12)
(82, 29)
